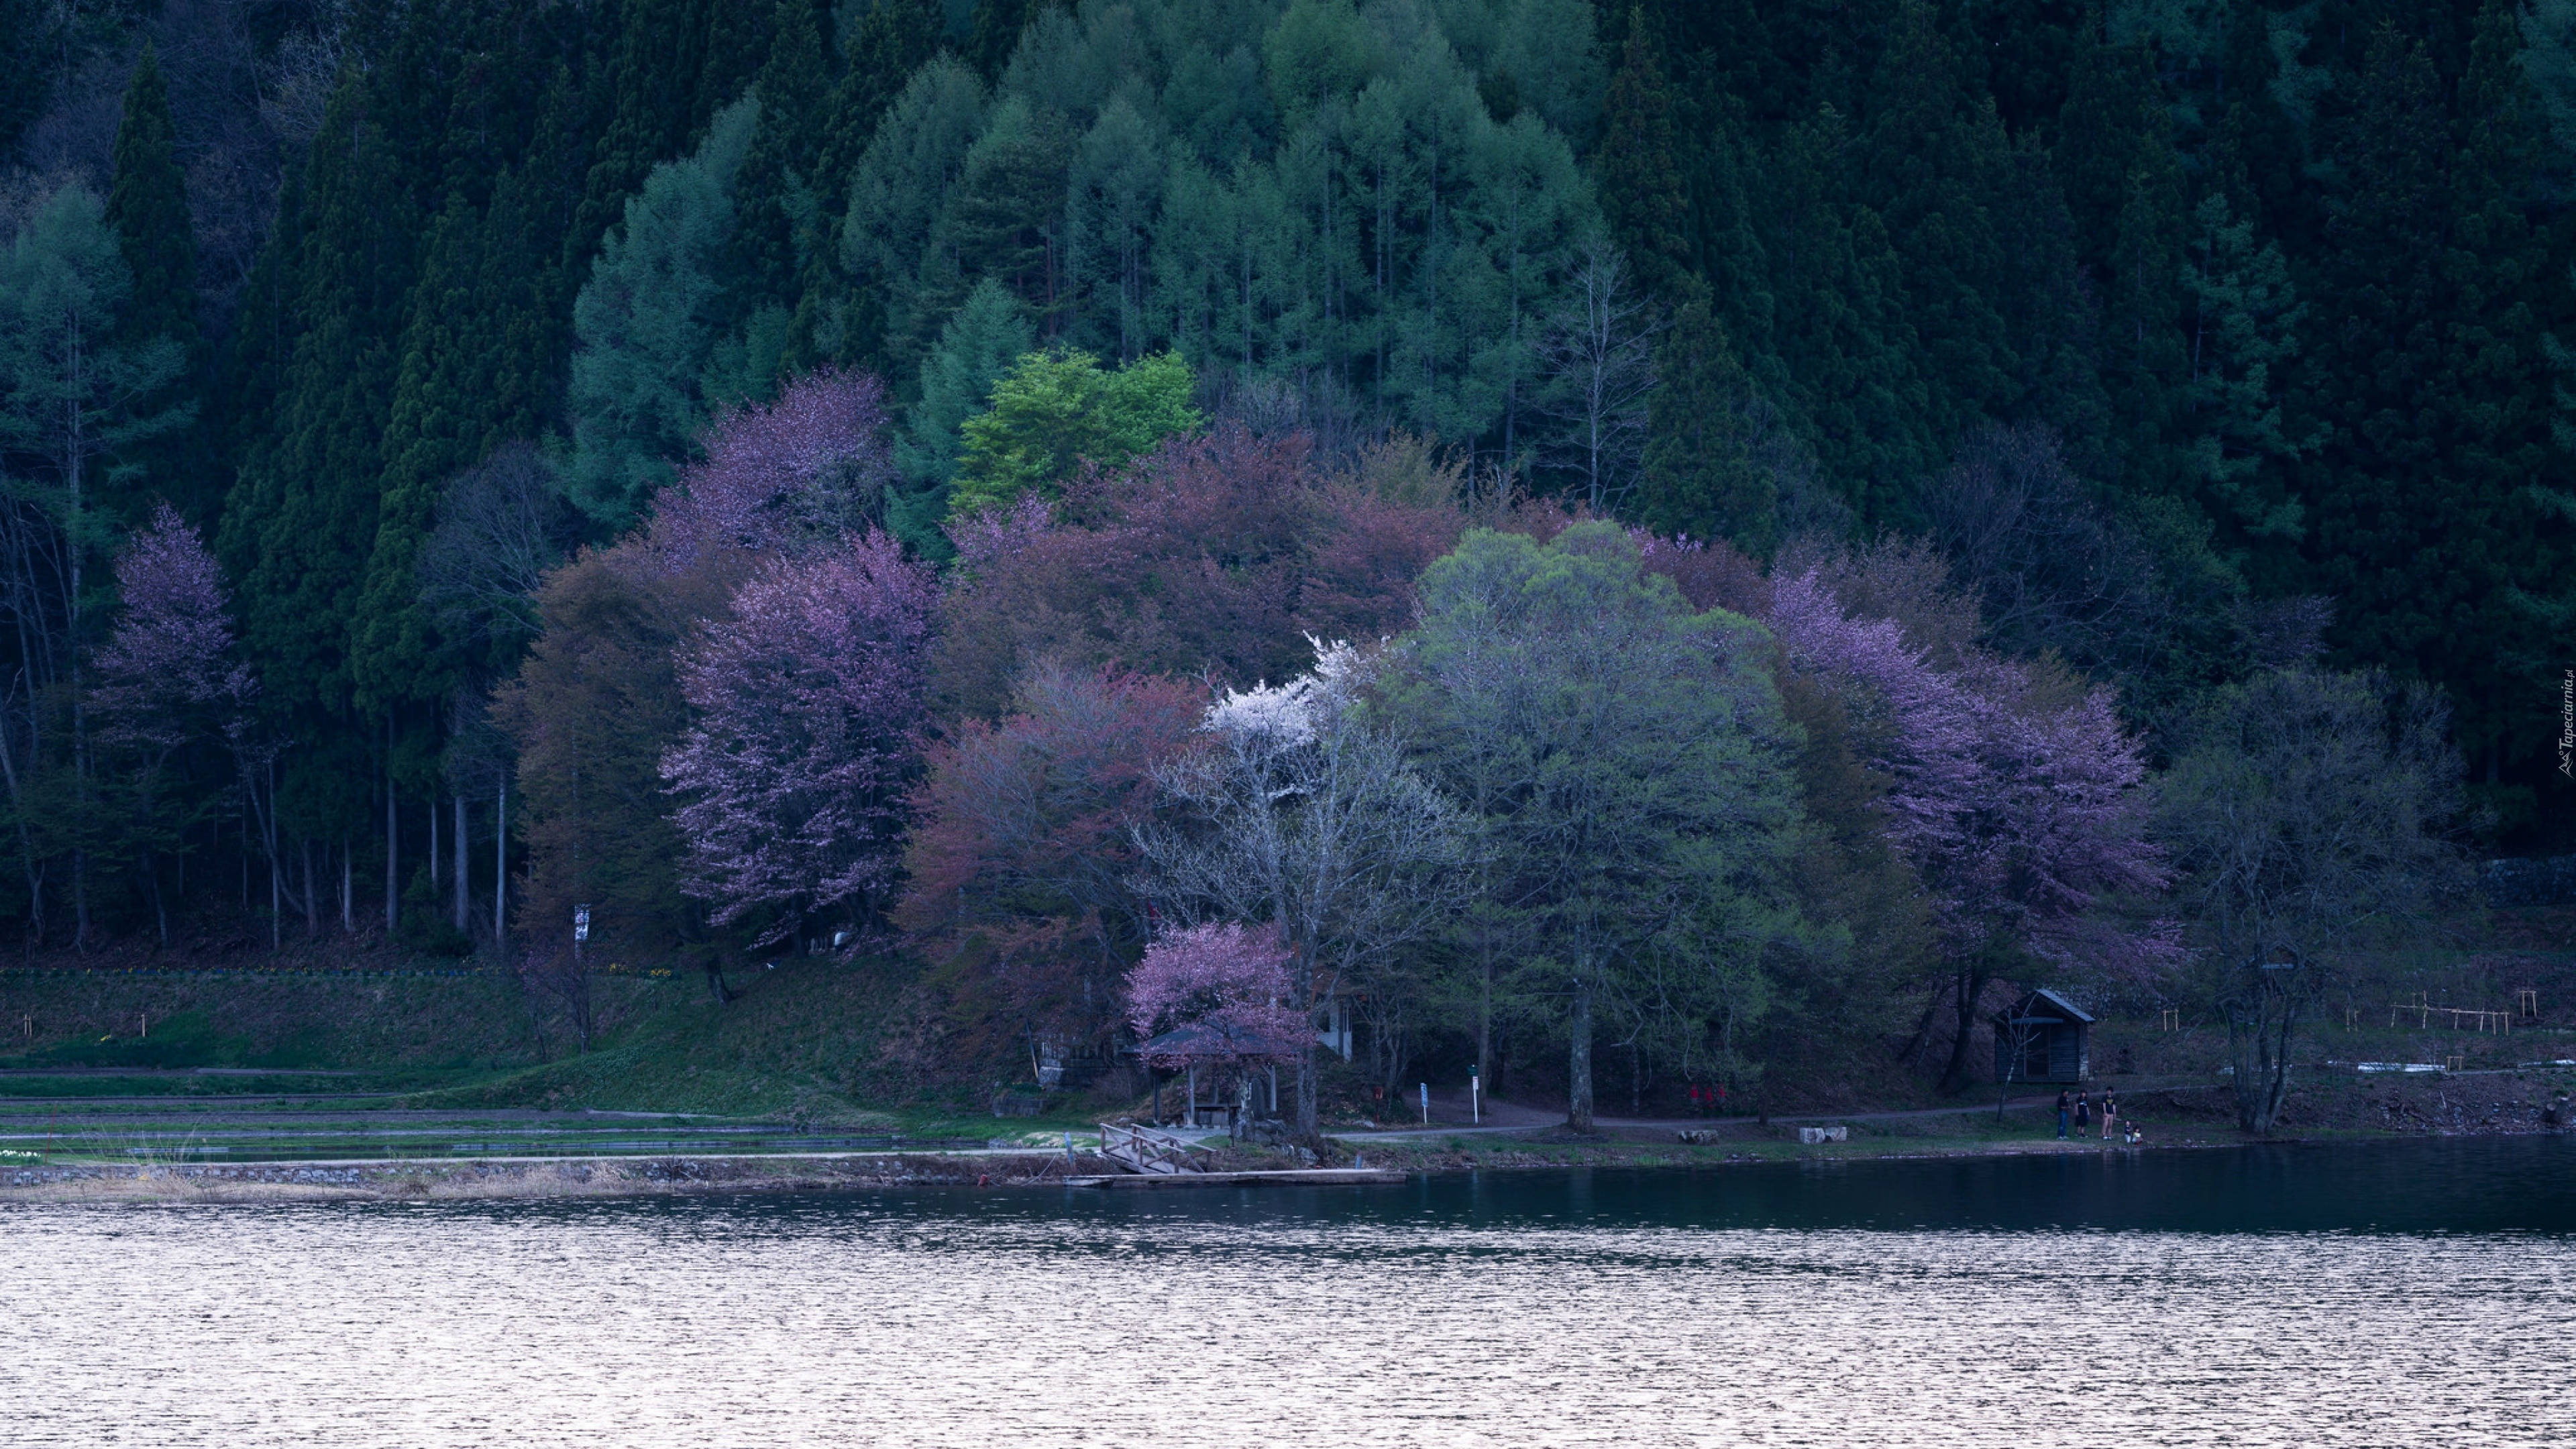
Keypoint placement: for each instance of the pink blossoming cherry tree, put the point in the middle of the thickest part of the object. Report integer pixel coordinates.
(808, 704)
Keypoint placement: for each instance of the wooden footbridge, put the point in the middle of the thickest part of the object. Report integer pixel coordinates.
(1149, 1151)
(1153, 1157)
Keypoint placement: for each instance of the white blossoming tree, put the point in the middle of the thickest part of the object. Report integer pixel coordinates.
(1298, 810)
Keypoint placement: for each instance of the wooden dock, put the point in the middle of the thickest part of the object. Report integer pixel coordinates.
(1280, 1177)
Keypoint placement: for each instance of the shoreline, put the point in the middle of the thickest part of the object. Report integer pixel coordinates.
(484, 1179)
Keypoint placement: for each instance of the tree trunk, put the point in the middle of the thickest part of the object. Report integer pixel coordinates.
(1484, 1066)
(462, 903)
(2260, 1026)
(393, 835)
(1306, 1129)
(160, 910)
(1578, 1060)
(74, 542)
(501, 866)
(1972, 985)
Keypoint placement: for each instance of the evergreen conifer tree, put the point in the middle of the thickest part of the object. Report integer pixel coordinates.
(301, 519)
(147, 206)
(980, 343)
(1640, 166)
(1700, 475)
(26, 65)
(995, 32)
(2244, 338)
(647, 323)
(779, 214)
(2427, 368)
(1933, 161)
(661, 56)
(739, 35)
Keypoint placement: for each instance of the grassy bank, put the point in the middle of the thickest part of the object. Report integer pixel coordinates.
(118, 1063)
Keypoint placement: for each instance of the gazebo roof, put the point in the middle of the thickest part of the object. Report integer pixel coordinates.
(1198, 1039)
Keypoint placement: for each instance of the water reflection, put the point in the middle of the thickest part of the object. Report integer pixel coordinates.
(2420, 1293)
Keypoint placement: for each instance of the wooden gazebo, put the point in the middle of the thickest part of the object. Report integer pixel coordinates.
(2043, 1037)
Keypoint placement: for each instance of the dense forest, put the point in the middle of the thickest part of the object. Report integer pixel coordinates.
(1691, 529)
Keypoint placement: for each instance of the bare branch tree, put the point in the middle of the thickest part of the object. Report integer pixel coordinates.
(1598, 355)
(2309, 818)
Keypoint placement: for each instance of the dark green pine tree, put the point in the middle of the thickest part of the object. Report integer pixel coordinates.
(836, 322)
(653, 113)
(2426, 368)
(301, 518)
(995, 32)
(543, 195)
(1640, 166)
(1846, 344)
(2269, 145)
(147, 207)
(2102, 131)
(2496, 412)
(2125, 198)
(481, 361)
(27, 58)
(995, 225)
(778, 212)
(738, 37)
(1700, 475)
(252, 370)
(1934, 161)
(1725, 239)
(893, 39)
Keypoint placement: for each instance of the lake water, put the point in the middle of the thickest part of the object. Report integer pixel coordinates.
(2398, 1294)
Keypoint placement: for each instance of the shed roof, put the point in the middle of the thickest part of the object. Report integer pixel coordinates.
(2049, 1001)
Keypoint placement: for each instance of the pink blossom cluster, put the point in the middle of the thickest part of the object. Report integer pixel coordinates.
(794, 469)
(1227, 981)
(169, 659)
(2019, 811)
(809, 702)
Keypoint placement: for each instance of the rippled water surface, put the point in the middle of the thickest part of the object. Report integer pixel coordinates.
(2406, 1294)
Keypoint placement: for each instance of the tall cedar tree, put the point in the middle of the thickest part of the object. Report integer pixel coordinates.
(1640, 166)
(1700, 478)
(2428, 374)
(147, 206)
(301, 520)
(656, 113)
(777, 212)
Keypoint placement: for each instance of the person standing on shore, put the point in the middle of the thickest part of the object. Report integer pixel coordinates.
(2064, 1101)
(2110, 1113)
(2083, 1111)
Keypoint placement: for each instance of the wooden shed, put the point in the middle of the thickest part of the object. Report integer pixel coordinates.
(2043, 1037)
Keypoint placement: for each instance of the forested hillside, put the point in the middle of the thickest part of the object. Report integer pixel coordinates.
(855, 474)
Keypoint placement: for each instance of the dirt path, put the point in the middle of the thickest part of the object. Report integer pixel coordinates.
(1449, 1116)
